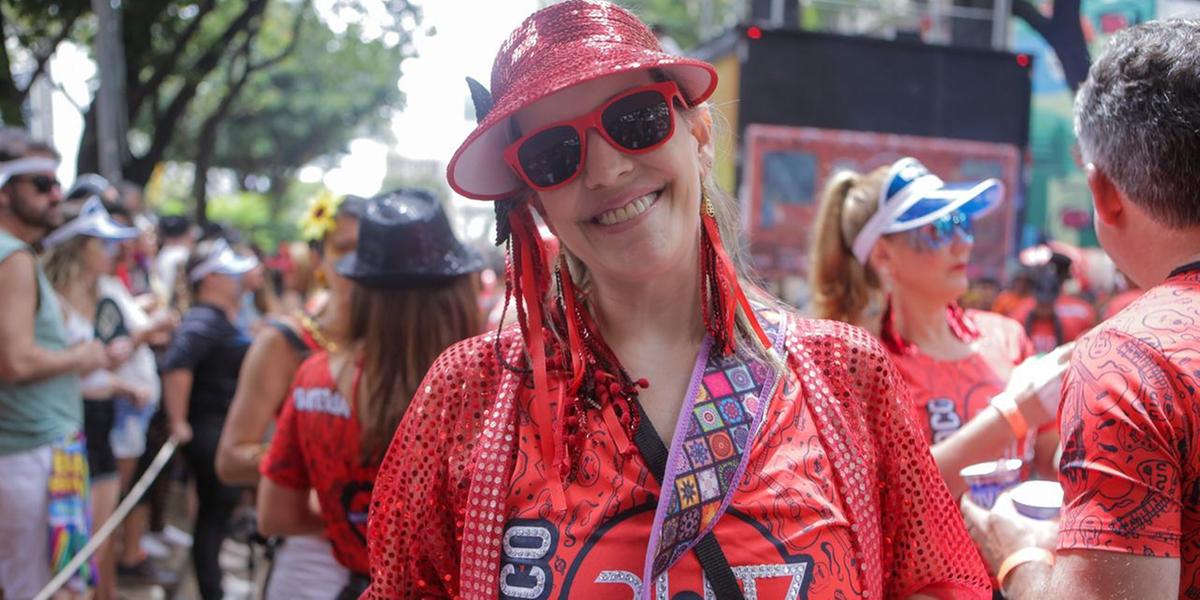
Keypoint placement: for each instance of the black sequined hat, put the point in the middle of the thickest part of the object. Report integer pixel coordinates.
(404, 239)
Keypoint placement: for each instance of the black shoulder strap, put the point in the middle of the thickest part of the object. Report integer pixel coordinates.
(293, 339)
(1191, 267)
(708, 551)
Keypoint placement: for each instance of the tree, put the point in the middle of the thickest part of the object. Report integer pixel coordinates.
(37, 28)
(1064, 32)
(327, 89)
(258, 86)
(688, 23)
(179, 54)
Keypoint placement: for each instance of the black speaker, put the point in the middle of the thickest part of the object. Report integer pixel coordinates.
(830, 81)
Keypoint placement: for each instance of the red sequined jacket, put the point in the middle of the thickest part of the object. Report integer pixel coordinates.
(438, 509)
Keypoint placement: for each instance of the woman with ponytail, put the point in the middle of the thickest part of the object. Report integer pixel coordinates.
(898, 238)
(653, 424)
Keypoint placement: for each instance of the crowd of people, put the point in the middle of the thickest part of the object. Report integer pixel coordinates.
(637, 417)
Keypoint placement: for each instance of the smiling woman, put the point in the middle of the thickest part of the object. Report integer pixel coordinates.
(654, 423)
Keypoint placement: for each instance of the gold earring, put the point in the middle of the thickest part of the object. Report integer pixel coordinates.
(706, 205)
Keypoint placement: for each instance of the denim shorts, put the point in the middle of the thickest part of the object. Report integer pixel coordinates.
(128, 437)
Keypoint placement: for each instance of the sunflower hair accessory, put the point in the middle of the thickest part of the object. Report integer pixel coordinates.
(321, 216)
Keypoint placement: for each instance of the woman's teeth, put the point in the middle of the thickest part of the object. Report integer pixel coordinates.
(629, 211)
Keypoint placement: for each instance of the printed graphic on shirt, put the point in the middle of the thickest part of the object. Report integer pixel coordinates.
(321, 400)
(1128, 423)
(785, 534)
(316, 445)
(946, 394)
(528, 570)
(943, 419)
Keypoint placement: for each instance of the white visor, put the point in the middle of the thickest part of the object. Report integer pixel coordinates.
(224, 261)
(912, 197)
(93, 221)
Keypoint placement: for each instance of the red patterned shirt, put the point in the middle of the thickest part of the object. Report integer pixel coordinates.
(948, 393)
(316, 445)
(786, 534)
(1130, 426)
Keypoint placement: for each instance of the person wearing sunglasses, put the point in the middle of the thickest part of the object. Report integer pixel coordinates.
(653, 425)
(901, 233)
(44, 495)
(199, 376)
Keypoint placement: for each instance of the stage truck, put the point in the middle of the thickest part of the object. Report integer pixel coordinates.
(795, 107)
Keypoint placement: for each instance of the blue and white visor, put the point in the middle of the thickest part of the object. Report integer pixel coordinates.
(913, 197)
(93, 221)
(222, 260)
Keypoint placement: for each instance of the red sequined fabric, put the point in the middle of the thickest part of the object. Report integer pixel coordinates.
(438, 511)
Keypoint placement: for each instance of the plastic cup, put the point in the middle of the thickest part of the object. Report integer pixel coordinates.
(1040, 500)
(990, 479)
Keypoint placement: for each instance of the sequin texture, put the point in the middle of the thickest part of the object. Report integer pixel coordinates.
(436, 525)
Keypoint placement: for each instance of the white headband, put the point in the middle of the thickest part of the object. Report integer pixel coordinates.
(887, 211)
(26, 166)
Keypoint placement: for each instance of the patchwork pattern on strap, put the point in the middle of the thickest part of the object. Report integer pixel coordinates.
(706, 463)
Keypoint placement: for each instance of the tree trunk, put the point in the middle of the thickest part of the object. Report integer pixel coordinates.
(200, 189)
(11, 98)
(88, 159)
(1063, 31)
(281, 181)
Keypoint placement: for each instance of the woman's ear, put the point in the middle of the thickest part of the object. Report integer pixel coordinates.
(702, 124)
(880, 259)
(702, 130)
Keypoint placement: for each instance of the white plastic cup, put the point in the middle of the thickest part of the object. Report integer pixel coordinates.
(990, 479)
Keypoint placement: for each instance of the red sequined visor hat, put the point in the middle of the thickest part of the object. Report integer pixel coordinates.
(557, 47)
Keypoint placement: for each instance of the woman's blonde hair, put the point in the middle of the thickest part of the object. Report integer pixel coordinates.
(63, 263)
(842, 287)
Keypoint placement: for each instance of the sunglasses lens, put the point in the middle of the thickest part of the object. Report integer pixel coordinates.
(941, 233)
(44, 183)
(638, 121)
(550, 157)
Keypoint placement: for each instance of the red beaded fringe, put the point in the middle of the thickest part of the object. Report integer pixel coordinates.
(720, 291)
(595, 375)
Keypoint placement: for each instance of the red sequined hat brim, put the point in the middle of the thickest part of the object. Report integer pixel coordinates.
(478, 170)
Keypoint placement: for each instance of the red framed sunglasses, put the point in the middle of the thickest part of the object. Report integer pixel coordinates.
(639, 120)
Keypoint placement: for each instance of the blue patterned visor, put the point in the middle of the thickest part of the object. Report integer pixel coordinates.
(913, 197)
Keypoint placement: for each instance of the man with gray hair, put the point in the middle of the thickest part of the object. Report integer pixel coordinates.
(1130, 413)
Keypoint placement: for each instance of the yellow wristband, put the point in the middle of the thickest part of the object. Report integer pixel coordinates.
(1020, 557)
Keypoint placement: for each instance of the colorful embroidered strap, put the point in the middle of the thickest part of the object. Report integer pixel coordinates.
(70, 513)
(717, 426)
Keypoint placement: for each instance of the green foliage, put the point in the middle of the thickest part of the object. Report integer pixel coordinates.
(330, 89)
(249, 213)
(260, 87)
(685, 21)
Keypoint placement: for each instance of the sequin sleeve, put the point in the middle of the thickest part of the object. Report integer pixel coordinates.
(416, 522)
(923, 544)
